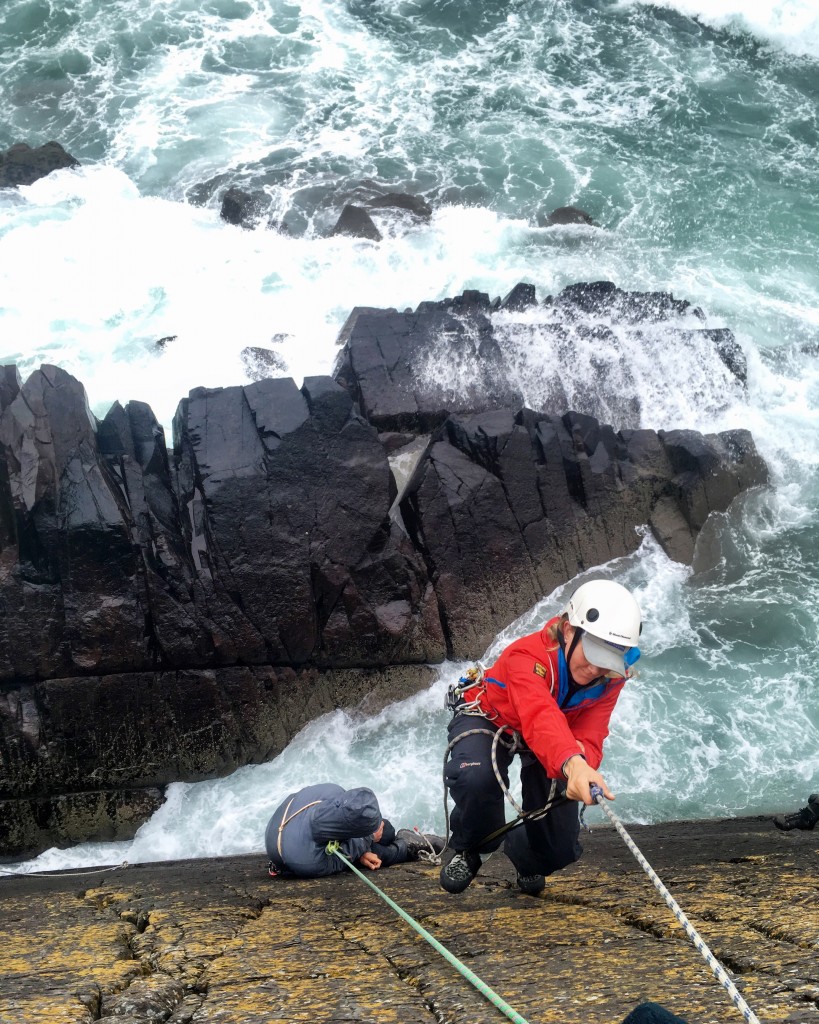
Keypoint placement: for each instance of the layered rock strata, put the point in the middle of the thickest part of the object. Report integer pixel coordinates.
(172, 615)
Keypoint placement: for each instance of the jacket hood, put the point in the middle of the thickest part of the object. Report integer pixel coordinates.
(352, 814)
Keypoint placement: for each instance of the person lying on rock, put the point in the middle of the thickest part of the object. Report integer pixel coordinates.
(306, 821)
(806, 818)
(556, 689)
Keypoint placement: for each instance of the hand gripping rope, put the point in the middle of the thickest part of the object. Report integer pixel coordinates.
(333, 849)
(705, 952)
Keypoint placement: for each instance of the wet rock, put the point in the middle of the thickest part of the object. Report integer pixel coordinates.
(355, 221)
(244, 209)
(565, 215)
(22, 165)
(261, 362)
(410, 370)
(605, 299)
(505, 507)
(416, 205)
(521, 297)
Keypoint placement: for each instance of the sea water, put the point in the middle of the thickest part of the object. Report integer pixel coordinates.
(687, 130)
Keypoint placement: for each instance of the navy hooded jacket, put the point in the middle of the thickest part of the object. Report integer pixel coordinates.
(312, 817)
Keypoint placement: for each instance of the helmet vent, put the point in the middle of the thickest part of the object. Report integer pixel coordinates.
(592, 615)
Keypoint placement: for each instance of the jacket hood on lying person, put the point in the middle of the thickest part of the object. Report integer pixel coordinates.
(348, 815)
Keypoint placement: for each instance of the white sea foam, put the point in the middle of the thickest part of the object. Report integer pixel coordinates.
(791, 24)
(94, 275)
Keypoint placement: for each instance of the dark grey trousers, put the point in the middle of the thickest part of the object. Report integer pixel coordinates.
(535, 848)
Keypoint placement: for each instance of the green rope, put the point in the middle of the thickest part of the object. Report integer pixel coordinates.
(470, 976)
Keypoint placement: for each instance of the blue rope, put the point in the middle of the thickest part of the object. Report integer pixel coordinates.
(691, 932)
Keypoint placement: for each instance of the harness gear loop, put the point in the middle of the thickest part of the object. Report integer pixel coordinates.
(471, 977)
(472, 679)
(716, 968)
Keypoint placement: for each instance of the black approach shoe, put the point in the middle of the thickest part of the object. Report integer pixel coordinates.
(532, 885)
(805, 819)
(457, 875)
(422, 845)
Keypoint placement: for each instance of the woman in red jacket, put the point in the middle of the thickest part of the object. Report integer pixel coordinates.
(557, 689)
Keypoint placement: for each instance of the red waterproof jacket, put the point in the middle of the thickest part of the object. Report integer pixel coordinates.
(528, 688)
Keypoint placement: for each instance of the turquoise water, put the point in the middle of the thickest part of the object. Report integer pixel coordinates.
(687, 130)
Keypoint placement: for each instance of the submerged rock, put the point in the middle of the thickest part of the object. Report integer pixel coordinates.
(355, 221)
(244, 209)
(565, 215)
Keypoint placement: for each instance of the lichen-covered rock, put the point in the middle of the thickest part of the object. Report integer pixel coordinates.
(218, 940)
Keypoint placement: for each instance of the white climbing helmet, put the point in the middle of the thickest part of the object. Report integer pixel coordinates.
(611, 623)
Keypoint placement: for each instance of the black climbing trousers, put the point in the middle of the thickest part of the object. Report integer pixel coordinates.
(535, 848)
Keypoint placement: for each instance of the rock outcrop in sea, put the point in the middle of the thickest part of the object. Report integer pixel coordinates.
(174, 614)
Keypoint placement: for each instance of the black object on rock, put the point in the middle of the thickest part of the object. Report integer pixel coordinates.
(804, 819)
(652, 1013)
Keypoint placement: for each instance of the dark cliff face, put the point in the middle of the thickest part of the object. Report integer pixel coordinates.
(269, 567)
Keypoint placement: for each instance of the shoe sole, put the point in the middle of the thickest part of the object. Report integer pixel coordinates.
(458, 879)
(532, 888)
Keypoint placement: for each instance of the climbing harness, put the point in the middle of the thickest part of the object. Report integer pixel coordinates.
(275, 869)
(455, 700)
(333, 849)
(716, 968)
(474, 677)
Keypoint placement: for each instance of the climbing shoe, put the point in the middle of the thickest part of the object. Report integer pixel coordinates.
(422, 845)
(459, 872)
(804, 819)
(532, 885)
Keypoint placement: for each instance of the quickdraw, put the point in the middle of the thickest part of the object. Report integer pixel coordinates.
(455, 701)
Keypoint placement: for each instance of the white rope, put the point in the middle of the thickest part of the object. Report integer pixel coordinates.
(63, 872)
(691, 932)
